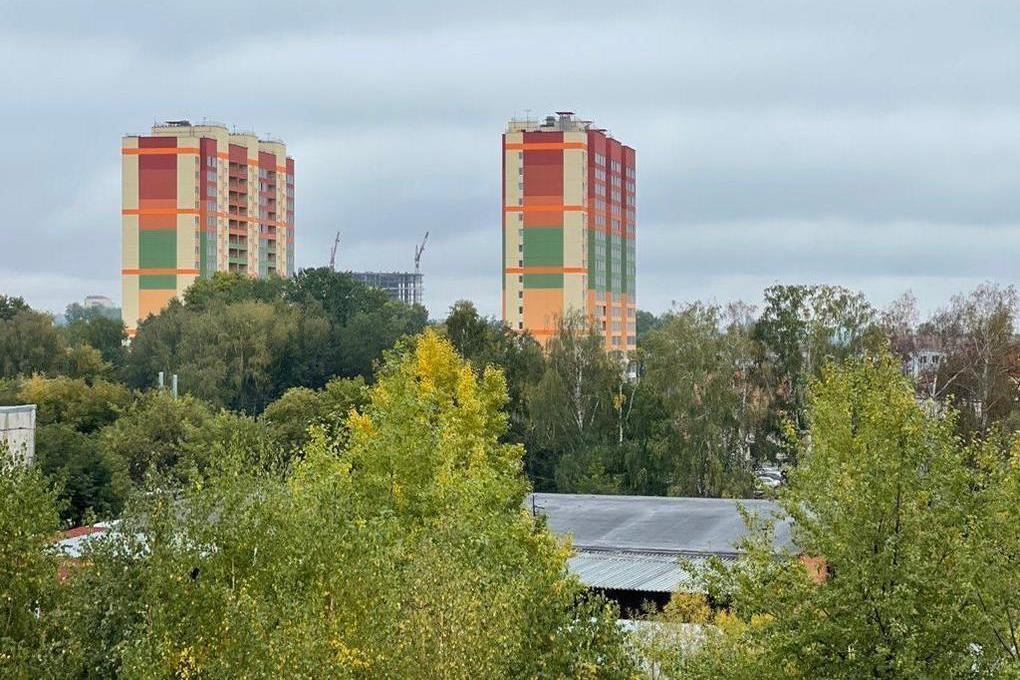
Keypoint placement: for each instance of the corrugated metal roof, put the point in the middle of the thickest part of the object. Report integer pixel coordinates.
(641, 571)
(656, 524)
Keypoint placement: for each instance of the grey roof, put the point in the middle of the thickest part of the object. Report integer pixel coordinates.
(650, 544)
(648, 572)
(655, 524)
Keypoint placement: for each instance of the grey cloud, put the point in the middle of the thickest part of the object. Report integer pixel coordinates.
(874, 143)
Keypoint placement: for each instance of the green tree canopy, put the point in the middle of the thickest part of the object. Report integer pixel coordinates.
(28, 569)
(908, 533)
(403, 552)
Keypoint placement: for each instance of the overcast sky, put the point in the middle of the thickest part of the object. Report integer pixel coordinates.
(874, 144)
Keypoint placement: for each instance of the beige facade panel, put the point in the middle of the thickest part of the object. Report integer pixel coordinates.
(129, 241)
(129, 300)
(129, 176)
(575, 294)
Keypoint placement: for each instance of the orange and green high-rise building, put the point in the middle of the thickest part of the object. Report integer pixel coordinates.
(198, 199)
(569, 224)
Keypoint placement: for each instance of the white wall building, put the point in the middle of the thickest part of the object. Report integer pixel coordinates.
(17, 431)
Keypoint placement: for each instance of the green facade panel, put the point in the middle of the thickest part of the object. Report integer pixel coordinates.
(157, 282)
(157, 249)
(543, 247)
(543, 280)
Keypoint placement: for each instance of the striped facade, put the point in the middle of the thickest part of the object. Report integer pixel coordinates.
(198, 199)
(569, 222)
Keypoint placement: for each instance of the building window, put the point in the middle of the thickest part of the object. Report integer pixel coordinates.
(520, 310)
(520, 294)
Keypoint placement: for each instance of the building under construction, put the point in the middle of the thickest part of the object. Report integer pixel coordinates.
(404, 287)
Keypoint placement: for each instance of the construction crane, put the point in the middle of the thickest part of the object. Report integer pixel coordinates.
(332, 253)
(418, 250)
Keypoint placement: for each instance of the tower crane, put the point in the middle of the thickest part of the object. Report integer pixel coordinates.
(332, 252)
(418, 250)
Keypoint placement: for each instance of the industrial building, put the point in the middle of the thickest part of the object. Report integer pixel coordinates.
(17, 432)
(569, 225)
(403, 287)
(198, 199)
(637, 549)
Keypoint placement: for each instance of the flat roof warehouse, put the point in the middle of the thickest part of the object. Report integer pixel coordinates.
(634, 548)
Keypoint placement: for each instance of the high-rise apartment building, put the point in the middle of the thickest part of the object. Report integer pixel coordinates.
(198, 199)
(569, 226)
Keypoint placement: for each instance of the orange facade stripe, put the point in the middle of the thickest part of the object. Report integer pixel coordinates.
(157, 270)
(159, 211)
(543, 208)
(195, 211)
(544, 146)
(225, 156)
(546, 270)
(160, 151)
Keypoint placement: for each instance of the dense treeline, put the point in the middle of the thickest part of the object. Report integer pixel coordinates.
(712, 393)
(715, 392)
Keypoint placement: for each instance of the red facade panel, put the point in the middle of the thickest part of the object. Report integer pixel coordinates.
(237, 153)
(157, 142)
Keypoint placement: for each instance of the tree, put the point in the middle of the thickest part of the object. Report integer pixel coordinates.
(403, 553)
(29, 343)
(225, 288)
(93, 327)
(93, 482)
(800, 329)
(698, 409)
(291, 417)
(244, 355)
(152, 436)
(489, 342)
(10, 306)
(68, 401)
(645, 322)
(978, 371)
(156, 346)
(69, 414)
(575, 405)
(883, 499)
(28, 568)
(85, 362)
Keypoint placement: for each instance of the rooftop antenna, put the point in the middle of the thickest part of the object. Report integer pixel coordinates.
(418, 250)
(332, 252)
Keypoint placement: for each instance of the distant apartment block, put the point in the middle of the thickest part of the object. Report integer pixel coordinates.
(569, 222)
(198, 199)
(404, 287)
(17, 432)
(98, 301)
